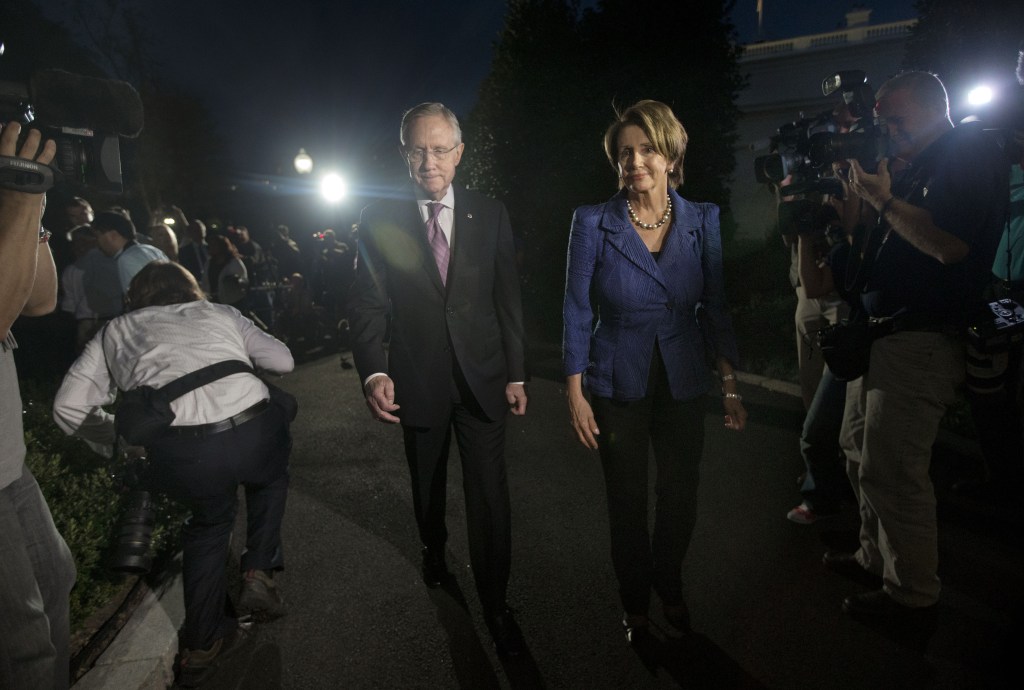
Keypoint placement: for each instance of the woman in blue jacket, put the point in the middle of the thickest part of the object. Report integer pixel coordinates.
(651, 262)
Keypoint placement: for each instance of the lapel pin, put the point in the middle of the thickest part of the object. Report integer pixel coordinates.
(469, 215)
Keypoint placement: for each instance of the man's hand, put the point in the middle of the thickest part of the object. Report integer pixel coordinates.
(873, 189)
(9, 142)
(515, 393)
(28, 279)
(380, 398)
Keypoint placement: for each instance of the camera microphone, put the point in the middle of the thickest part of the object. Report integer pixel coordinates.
(67, 100)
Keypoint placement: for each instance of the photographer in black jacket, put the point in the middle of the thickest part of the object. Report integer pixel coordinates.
(941, 203)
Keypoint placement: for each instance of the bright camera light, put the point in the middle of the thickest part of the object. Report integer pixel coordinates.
(333, 188)
(980, 95)
(168, 221)
(303, 163)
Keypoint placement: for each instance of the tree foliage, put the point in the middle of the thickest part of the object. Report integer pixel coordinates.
(558, 77)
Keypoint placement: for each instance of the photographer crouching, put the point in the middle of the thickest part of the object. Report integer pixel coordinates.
(941, 202)
(225, 430)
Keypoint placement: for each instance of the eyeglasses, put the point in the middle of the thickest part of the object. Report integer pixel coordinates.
(419, 155)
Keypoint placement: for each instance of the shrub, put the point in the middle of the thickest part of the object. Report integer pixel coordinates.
(82, 491)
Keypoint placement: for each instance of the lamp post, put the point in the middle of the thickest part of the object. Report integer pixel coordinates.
(303, 163)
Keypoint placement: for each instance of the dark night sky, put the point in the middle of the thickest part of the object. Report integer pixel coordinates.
(334, 76)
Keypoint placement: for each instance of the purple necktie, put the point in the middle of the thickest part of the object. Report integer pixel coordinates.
(438, 242)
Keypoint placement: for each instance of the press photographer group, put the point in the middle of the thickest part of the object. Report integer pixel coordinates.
(903, 224)
(803, 155)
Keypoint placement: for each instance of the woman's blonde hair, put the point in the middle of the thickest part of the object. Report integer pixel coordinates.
(162, 283)
(662, 127)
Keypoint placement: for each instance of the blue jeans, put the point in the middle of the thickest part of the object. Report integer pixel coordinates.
(36, 576)
(825, 483)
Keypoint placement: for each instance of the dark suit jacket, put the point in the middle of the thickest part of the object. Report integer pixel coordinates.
(477, 319)
(677, 301)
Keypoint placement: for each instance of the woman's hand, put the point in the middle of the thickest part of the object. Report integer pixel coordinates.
(580, 413)
(735, 414)
(583, 421)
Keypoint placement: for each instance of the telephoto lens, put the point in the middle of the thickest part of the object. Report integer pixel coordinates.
(134, 534)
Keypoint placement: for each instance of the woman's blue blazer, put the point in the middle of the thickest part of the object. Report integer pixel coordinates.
(619, 301)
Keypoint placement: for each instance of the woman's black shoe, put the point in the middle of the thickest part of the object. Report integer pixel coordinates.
(637, 628)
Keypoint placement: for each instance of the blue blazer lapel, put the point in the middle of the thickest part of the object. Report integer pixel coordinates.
(621, 235)
(685, 229)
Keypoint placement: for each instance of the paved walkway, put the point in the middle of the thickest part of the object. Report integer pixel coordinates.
(765, 612)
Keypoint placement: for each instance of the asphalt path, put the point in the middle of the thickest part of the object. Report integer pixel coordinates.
(765, 613)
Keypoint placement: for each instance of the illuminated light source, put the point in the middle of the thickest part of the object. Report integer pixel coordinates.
(303, 163)
(980, 95)
(333, 188)
(168, 221)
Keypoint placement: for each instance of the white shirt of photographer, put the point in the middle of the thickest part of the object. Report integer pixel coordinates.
(156, 345)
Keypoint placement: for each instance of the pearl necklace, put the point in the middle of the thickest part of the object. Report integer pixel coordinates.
(650, 226)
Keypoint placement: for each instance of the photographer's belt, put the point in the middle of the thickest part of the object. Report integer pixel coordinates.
(201, 430)
(888, 325)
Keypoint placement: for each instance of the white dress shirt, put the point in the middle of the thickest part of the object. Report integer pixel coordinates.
(447, 216)
(156, 345)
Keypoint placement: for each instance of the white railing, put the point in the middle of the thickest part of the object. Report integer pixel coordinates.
(856, 34)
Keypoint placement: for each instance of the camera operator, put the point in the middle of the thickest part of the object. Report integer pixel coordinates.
(816, 311)
(923, 268)
(36, 568)
(825, 485)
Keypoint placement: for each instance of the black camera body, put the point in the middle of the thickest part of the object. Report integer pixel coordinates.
(85, 116)
(999, 327)
(805, 150)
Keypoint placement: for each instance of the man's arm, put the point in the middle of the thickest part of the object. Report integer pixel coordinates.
(368, 310)
(28, 280)
(912, 223)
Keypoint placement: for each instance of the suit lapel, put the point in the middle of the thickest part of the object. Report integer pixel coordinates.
(677, 246)
(464, 230)
(625, 239)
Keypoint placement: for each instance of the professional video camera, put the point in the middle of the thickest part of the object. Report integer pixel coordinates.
(805, 150)
(83, 115)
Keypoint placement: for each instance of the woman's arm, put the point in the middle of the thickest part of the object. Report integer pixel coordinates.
(577, 317)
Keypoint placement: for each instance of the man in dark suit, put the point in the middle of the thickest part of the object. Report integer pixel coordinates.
(441, 265)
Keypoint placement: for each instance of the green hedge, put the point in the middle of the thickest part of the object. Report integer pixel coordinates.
(83, 493)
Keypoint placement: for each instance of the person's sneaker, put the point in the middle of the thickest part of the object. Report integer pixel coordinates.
(195, 666)
(803, 514)
(260, 597)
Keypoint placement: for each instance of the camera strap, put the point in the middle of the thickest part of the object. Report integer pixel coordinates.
(23, 175)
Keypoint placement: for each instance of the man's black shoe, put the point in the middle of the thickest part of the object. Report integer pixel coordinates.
(435, 572)
(508, 638)
(877, 605)
(846, 564)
